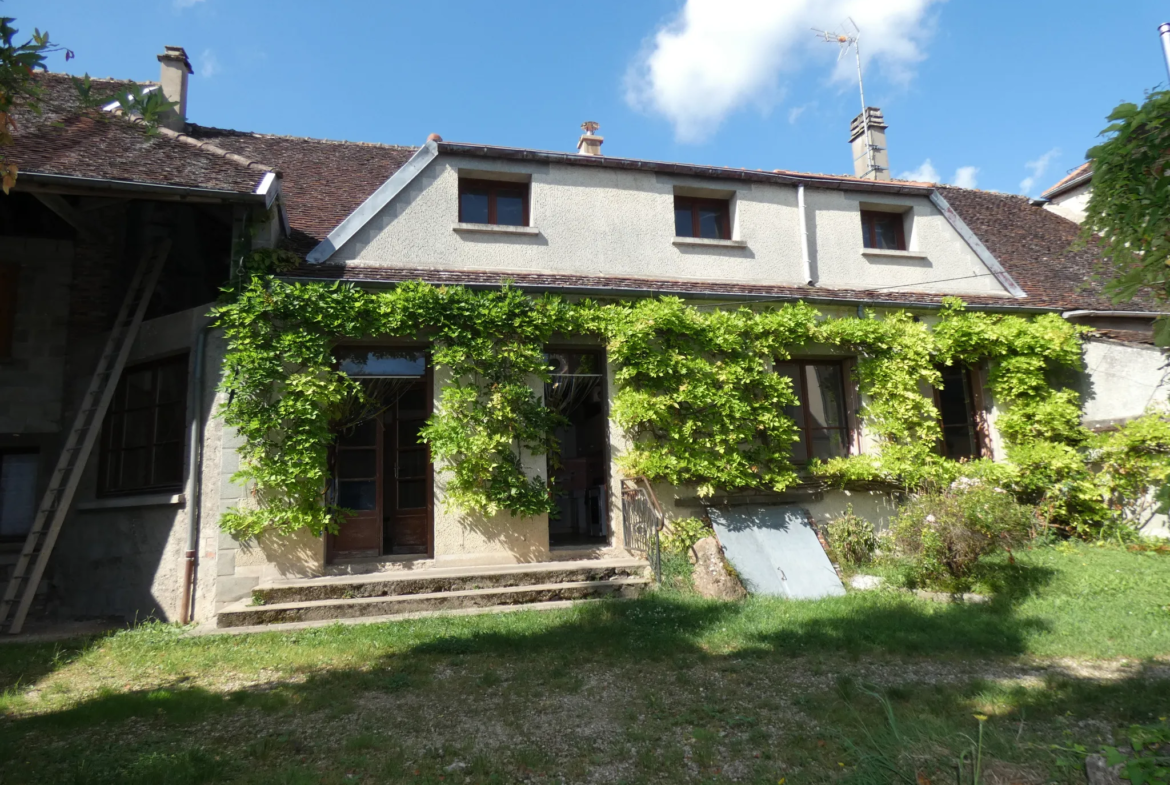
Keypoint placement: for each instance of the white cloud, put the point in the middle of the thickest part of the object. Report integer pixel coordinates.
(795, 112)
(717, 56)
(1036, 170)
(181, 4)
(923, 174)
(208, 64)
(965, 176)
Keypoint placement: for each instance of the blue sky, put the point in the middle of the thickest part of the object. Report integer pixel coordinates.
(1014, 92)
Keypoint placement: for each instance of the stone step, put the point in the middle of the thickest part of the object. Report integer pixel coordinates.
(434, 580)
(400, 604)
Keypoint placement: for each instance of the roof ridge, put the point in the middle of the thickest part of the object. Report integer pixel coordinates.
(258, 135)
(96, 78)
(191, 141)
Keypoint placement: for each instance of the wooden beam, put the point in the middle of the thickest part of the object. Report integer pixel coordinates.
(72, 216)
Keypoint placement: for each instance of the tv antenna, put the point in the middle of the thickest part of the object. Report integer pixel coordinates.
(852, 41)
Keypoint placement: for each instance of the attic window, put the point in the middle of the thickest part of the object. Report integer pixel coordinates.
(495, 202)
(883, 231)
(706, 218)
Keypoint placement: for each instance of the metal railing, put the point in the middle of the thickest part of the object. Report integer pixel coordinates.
(642, 521)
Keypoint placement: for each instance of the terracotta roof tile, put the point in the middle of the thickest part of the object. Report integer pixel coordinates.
(323, 181)
(66, 140)
(1085, 168)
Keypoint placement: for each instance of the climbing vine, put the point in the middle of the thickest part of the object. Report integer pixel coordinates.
(696, 394)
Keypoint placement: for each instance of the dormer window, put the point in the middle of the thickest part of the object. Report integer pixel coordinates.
(883, 231)
(497, 202)
(706, 218)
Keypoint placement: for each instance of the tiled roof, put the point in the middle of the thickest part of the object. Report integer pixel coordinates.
(1038, 249)
(323, 181)
(1125, 336)
(66, 140)
(1084, 169)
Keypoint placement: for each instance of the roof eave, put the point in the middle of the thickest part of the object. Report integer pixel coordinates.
(83, 185)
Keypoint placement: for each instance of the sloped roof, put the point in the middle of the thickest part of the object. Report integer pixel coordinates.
(69, 140)
(1070, 180)
(323, 180)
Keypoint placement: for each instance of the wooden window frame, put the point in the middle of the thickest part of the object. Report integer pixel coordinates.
(869, 229)
(9, 294)
(976, 422)
(693, 203)
(107, 449)
(850, 436)
(493, 187)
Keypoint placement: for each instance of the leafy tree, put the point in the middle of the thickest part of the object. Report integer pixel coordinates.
(1128, 214)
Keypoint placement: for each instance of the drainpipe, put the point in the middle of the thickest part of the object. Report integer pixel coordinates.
(805, 256)
(195, 437)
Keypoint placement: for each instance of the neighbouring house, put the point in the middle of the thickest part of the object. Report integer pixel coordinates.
(1070, 195)
(141, 538)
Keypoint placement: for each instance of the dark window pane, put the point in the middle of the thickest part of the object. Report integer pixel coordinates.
(364, 434)
(138, 425)
(168, 464)
(169, 423)
(792, 371)
(473, 206)
(959, 442)
(683, 226)
(954, 405)
(800, 448)
(825, 396)
(172, 382)
(882, 231)
(135, 468)
(18, 484)
(357, 494)
(357, 464)
(412, 494)
(412, 463)
(139, 388)
(827, 444)
(711, 223)
(413, 400)
(510, 208)
(408, 433)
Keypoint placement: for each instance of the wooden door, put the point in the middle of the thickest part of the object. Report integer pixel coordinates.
(358, 473)
(408, 521)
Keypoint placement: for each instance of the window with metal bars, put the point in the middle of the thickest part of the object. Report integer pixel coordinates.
(143, 433)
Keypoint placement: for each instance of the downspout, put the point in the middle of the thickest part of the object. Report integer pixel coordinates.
(805, 256)
(195, 437)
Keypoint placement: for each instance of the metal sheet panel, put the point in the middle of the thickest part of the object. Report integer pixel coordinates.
(776, 551)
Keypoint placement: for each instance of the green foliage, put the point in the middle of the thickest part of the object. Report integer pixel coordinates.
(852, 539)
(18, 62)
(1149, 764)
(944, 533)
(681, 534)
(1130, 461)
(1128, 214)
(696, 393)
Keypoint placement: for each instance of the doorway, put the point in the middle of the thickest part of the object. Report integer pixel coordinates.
(382, 470)
(579, 473)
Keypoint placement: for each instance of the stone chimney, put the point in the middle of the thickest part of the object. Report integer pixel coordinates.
(589, 143)
(880, 168)
(172, 78)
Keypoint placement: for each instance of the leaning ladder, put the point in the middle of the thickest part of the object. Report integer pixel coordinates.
(26, 576)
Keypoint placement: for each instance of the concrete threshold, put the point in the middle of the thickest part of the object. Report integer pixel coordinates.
(207, 629)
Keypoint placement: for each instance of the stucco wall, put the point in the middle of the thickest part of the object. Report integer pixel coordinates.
(1071, 204)
(621, 223)
(1122, 380)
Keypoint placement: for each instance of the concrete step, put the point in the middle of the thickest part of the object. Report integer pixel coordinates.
(240, 615)
(433, 580)
(294, 626)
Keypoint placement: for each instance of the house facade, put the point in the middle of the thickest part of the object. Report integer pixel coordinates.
(142, 537)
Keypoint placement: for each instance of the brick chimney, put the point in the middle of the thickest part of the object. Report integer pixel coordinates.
(589, 143)
(876, 145)
(173, 71)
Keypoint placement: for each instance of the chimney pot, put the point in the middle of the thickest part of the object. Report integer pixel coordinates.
(590, 143)
(174, 66)
(880, 170)
(434, 138)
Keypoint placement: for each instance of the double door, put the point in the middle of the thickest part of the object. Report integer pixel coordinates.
(383, 475)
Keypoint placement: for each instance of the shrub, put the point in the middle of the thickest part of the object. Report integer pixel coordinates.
(852, 538)
(945, 533)
(681, 534)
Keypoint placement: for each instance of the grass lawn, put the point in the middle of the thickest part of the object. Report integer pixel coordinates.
(665, 689)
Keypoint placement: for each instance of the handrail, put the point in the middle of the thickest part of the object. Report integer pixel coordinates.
(642, 520)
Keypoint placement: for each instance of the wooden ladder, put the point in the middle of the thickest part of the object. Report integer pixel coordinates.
(34, 556)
